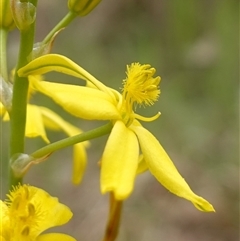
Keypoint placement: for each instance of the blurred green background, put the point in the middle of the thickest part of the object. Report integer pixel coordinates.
(194, 45)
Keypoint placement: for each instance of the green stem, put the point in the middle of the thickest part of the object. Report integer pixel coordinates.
(100, 131)
(62, 24)
(3, 54)
(19, 101)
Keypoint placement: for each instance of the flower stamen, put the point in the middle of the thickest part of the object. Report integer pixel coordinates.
(147, 119)
(140, 87)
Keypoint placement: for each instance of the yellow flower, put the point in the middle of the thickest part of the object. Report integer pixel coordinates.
(30, 211)
(39, 117)
(120, 160)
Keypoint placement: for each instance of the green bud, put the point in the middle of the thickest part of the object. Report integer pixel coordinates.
(6, 19)
(21, 162)
(24, 14)
(82, 7)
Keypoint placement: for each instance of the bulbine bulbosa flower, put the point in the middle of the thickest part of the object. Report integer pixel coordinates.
(128, 138)
(28, 212)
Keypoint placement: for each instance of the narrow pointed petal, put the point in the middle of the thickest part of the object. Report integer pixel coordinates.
(34, 123)
(52, 62)
(119, 162)
(55, 62)
(80, 101)
(55, 122)
(55, 237)
(79, 163)
(161, 166)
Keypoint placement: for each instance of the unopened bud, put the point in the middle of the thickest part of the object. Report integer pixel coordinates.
(82, 7)
(6, 19)
(24, 14)
(21, 162)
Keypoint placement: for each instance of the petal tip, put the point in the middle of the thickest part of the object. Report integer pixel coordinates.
(203, 205)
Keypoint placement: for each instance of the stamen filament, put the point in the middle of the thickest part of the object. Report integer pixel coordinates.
(147, 119)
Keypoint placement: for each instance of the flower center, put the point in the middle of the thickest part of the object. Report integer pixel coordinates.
(22, 212)
(139, 88)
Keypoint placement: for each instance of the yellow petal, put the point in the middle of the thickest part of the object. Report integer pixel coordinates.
(161, 166)
(55, 213)
(55, 122)
(79, 163)
(34, 123)
(59, 63)
(83, 102)
(119, 162)
(52, 62)
(142, 165)
(2, 238)
(55, 237)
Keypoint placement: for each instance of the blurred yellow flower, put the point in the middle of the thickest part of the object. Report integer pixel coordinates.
(120, 160)
(39, 117)
(30, 211)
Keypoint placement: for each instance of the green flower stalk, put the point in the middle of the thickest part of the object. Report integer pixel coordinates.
(82, 7)
(24, 16)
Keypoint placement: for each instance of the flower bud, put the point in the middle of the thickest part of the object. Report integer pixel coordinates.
(21, 162)
(6, 19)
(24, 14)
(82, 7)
